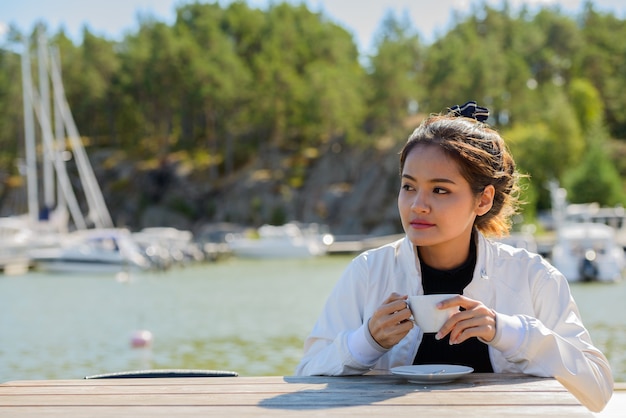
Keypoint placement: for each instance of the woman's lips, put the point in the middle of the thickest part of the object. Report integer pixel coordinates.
(421, 224)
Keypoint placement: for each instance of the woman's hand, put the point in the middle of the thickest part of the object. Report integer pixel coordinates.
(475, 321)
(391, 321)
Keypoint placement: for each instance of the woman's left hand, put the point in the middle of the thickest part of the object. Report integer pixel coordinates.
(475, 321)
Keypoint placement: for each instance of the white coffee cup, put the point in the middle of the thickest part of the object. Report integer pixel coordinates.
(426, 315)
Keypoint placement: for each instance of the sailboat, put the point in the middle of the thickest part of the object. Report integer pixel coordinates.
(51, 242)
(100, 250)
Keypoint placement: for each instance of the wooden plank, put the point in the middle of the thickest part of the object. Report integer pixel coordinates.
(500, 381)
(270, 388)
(244, 411)
(270, 385)
(380, 376)
(473, 395)
(293, 399)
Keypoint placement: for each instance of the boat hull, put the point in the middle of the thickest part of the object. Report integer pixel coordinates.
(86, 266)
(588, 252)
(286, 241)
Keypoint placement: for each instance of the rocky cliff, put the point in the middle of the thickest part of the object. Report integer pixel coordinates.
(353, 191)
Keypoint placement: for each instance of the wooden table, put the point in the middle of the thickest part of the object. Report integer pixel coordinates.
(480, 395)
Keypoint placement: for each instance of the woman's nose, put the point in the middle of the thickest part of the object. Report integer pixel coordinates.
(420, 203)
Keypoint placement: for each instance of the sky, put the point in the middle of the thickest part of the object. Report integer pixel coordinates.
(113, 18)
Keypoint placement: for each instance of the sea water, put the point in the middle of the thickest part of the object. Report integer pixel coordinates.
(248, 316)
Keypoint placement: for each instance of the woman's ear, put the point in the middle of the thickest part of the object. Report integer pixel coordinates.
(485, 200)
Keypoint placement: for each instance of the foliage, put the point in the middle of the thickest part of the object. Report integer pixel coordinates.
(586, 102)
(602, 60)
(595, 179)
(231, 84)
(394, 82)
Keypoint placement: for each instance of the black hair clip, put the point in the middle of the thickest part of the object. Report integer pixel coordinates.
(470, 110)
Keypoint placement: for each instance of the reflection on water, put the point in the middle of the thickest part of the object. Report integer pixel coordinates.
(241, 315)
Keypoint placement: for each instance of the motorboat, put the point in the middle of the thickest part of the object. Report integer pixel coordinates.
(167, 246)
(109, 250)
(19, 236)
(587, 251)
(14, 240)
(286, 241)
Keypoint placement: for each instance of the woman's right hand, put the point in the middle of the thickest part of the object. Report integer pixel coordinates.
(391, 321)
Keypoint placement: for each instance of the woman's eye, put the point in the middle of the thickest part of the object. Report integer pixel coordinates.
(439, 190)
(407, 187)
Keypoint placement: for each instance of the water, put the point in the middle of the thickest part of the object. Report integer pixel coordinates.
(242, 315)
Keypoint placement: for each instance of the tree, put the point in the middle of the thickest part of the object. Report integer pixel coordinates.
(602, 61)
(295, 104)
(89, 71)
(11, 115)
(595, 179)
(469, 63)
(548, 147)
(214, 80)
(587, 103)
(395, 86)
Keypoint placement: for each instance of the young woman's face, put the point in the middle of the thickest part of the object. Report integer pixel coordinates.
(436, 204)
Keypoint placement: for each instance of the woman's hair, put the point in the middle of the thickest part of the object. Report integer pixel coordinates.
(483, 159)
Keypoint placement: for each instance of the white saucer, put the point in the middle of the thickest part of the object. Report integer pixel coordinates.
(431, 373)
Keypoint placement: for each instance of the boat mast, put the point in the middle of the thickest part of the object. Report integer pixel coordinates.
(53, 151)
(98, 211)
(59, 134)
(44, 103)
(32, 102)
(29, 135)
(64, 181)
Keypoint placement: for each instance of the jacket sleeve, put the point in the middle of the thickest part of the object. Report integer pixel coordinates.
(326, 349)
(555, 343)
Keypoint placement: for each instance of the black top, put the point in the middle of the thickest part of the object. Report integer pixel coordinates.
(471, 352)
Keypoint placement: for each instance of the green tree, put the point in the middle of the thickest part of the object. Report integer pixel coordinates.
(235, 85)
(602, 60)
(470, 63)
(595, 179)
(394, 75)
(547, 148)
(530, 144)
(551, 59)
(11, 115)
(91, 67)
(214, 80)
(299, 54)
(587, 103)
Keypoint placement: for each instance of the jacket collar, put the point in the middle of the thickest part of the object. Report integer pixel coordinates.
(480, 288)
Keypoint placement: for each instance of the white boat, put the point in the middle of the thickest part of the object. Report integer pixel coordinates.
(49, 245)
(588, 251)
(614, 217)
(109, 250)
(167, 246)
(19, 236)
(287, 241)
(14, 239)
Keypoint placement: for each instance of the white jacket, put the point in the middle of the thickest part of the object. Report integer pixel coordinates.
(538, 327)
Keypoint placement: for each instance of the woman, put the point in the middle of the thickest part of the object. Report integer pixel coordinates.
(459, 184)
